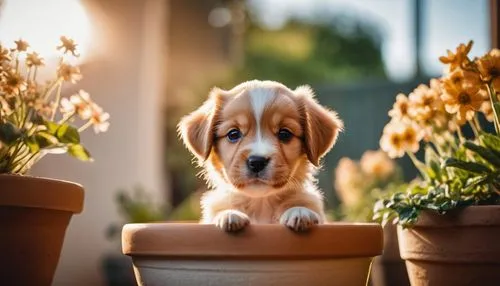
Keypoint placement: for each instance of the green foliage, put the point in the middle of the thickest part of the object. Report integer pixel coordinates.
(312, 53)
(136, 206)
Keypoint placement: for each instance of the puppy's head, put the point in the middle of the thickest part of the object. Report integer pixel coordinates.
(260, 136)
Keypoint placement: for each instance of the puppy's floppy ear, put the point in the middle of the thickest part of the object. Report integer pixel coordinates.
(321, 126)
(197, 129)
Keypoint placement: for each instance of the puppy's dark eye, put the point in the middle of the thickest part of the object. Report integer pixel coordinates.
(285, 135)
(234, 135)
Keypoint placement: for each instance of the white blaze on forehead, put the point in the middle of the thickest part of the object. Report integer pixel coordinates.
(259, 98)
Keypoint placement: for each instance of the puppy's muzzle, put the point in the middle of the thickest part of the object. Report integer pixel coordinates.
(257, 163)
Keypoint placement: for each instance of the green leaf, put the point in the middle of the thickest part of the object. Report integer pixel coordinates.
(79, 152)
(32, 144)
(491, 141)
(45, 140)
(467, 166)
(9, 133)
(68, 134)
(485, 153)
(51, 127)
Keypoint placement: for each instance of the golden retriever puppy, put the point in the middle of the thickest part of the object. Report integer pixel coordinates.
(260, 144)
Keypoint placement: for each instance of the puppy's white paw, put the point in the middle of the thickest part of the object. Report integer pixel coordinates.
(299, 218)
(231, 220)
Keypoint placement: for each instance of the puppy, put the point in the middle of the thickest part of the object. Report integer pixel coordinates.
(260, 144)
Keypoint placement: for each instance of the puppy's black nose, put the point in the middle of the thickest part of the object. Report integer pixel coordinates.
(257, 163)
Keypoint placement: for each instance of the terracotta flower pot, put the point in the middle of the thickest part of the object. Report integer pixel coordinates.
(459, 248)
(34, 214)
(194, 254)
(389, 269)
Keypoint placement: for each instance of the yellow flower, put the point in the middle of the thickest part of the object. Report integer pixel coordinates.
(461, 77)
(21, 46)
(377, 164)
(487, 110)
(463, 100)
(79, 103)
(349, 182)
(13, 83)
(459, 58)
(4, 55)
(99, 119)
(400, 108)
(68, 45)
(33, 59)
(399, 137)
(424, 103)
(69, 73)
(489, 67)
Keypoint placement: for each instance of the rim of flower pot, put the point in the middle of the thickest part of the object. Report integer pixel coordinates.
(39, 192)
(269, 241)
(466, 216)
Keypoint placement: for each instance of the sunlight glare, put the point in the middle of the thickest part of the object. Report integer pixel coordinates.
(42, 23)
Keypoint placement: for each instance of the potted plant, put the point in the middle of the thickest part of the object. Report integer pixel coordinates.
(449, 220)
(359, 184)
(36, 120)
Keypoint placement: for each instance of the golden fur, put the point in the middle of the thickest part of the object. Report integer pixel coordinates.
(284, 192)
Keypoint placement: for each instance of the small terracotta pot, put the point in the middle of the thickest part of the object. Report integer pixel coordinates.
(263, 255)
(389, 269)
(459, 248)
(34, 214)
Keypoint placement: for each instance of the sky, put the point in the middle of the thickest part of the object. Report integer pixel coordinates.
(445, 24)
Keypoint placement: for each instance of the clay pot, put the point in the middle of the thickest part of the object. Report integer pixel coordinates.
(263, 255)
(459, 248)
(389, 269)
(34, 214)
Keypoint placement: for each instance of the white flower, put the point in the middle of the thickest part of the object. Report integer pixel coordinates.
(99, 119)
(79, 103)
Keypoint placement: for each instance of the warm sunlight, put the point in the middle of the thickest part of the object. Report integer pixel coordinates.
(41, 23)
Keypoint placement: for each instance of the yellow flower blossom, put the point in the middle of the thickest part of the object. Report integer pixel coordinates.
(489, 67)
(459, 58)
(14, 83)
(399, 137)
(33, 59)
(377, 164)
(68, 45)
(464, 101)
(424, 103)
(400, 108)
(21, 46)
(69, 73)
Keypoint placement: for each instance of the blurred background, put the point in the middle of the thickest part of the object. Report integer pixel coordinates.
(149, 62)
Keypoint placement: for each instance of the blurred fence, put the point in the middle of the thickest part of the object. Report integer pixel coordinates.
(363, 107)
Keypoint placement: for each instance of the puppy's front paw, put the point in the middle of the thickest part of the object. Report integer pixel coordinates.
(231, 220)
(299, 218)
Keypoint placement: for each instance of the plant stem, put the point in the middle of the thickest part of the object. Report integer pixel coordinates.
(496, 111)
(20, 168)
(478, 124)
(460, 134)
(474, 128)
(85, 126)
(49, 91)
(419, 165)
(58, 98)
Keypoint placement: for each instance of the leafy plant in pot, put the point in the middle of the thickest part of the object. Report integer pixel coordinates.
(36, 120)
(359, 184)
(449, 220)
